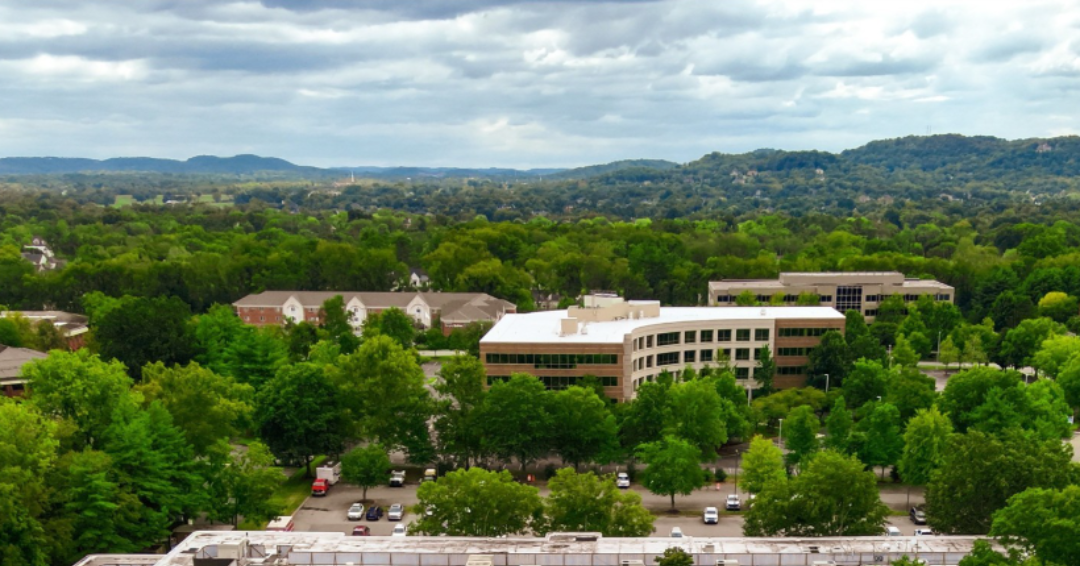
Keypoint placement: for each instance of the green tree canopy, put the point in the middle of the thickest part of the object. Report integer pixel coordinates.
(674, 467)
(762, 465)
(583, 429)
(476, 503)
(1044, 523)
(299, 415)
(142, 330)
(365, 467)
(516, 419)
(800, 435)
(587, 503)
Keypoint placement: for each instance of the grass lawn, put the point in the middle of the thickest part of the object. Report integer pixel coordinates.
(289, 495)
(123, 200)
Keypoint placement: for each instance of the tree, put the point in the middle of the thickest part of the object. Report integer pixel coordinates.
(766, 369)
(205, 405)
(583, 428)
(1020, 344)
(299, 415)
(92, 504)
(903, 354)
(968, 390)
(365, 467)
(746, 299)
(981, 472)
(1044, 523)
(762, 465)
(81, 388)
(839, 425)
(776, 406)
(948, 353)
(866, 382)
(829, 357)
(214, 332)
(674, 556)
(337, 323)
(643, 418)
(515, 419)
(925, 442)
(1054, 353)
(861, 343)
(1069, 380)
(1010, 308)
(1058, 306)
(800, 435)
(385, 391)
(974, 352)
(27, 451)
(674, 467)
(244, 485)
(982, 554)
(476, 503)
(697, 415)
(392, 322)
(141, 330)
(883, 444)
(462, 394)
(808, 299)
(254, 357)
(910, 390)
(587, 503)
(832, 496)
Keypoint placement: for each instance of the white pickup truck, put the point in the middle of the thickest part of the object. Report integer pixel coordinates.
(397, 478)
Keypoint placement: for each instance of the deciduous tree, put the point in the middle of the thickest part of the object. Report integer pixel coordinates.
(762, 465)
(587, 503)
(365, 467)
(476, 503)
(299, 415)
(583, 429)
(1044, 523)
(674, 467)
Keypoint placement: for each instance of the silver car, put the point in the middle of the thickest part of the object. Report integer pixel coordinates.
(356, 512)
(395, 512)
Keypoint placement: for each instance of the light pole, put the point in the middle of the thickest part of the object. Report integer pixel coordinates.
(781, 434)
(826, 383)
(736, 471)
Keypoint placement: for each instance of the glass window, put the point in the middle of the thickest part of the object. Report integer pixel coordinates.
(742, 335)
(706, 336)
(742, 373)
(667, 338)
(723, 336)
(667, 359)
(761, 334)
(742, 354)
(757, 353)
(648, 361)
(689, 356)
(706, 355)
(648, 341)
(690, 336)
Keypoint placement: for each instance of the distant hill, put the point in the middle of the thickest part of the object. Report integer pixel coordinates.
(419, 173)
(597, 170)
(203, 164)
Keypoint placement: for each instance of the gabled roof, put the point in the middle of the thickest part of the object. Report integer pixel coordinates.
(456, 307)
(13, 359)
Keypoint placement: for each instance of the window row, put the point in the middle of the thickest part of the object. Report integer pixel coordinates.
(801, 332)
(702, 336)
(553, 361)
(791, 370)
(768, 299)
(560, 381)
(793, 351)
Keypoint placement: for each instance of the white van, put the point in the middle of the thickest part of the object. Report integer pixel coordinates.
(283, 524)
(892, 531)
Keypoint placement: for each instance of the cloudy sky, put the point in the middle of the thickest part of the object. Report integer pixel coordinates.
(525, 84)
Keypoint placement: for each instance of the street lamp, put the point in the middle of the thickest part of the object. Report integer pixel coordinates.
(826, 383)
(781, 435)
(736, 471)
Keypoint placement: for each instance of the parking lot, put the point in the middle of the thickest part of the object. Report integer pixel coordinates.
(327, 513)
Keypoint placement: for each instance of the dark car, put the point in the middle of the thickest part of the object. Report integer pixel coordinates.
(374, 513)
(361, 531)
(917, 516)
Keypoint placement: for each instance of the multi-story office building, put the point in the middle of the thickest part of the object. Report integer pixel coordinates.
(859, 290)
(625, 343)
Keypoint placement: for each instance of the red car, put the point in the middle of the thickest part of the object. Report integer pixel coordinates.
(319, 487)
(361, 531)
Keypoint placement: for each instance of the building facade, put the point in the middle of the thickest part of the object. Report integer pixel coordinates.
(858, 290)
(627, 343)
(449, 310)
(12, 361)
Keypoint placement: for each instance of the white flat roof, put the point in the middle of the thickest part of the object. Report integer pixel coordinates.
(543, 327)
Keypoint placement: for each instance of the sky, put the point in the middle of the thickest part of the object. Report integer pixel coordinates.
(486, 83)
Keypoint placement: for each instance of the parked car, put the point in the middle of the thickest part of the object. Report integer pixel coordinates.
(711, 516)
(361, 531)
(395, 513)
(918, 516)
(430, 474)
(924, 532)
(399, 530)
(319, 487)
(892, 531)
(397, 478)
(356, 512)
(676, 532)
(374, 513)
(622, 480)
(733, 503)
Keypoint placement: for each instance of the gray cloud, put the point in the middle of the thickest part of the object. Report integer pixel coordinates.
(522, 83)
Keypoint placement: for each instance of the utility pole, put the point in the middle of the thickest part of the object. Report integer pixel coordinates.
(826, 384)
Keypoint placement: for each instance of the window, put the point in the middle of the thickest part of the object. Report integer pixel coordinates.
(826, 298)
(870, 312)
(558, 382)
(667, 359)
(724, 298)
(553, 361)
(941, 297)
(801, 332)
(706, 355)
(690, 336)
(849, 298)
(742, 373)
(727, 353)
(793, 351)
(667, 338)
(723, 336)
(742, 354)
(761, 334)
(706, 336)
(689, 356)
(791, 370)
(742, 335)
(872, 298)
(757, 353)
(648, 341)
(648, 361)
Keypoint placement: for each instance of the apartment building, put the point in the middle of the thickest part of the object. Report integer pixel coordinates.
(859, 290)
(626, 343)
(450, 310)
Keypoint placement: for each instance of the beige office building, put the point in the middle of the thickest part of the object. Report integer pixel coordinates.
(626, 343)
(859, 290)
